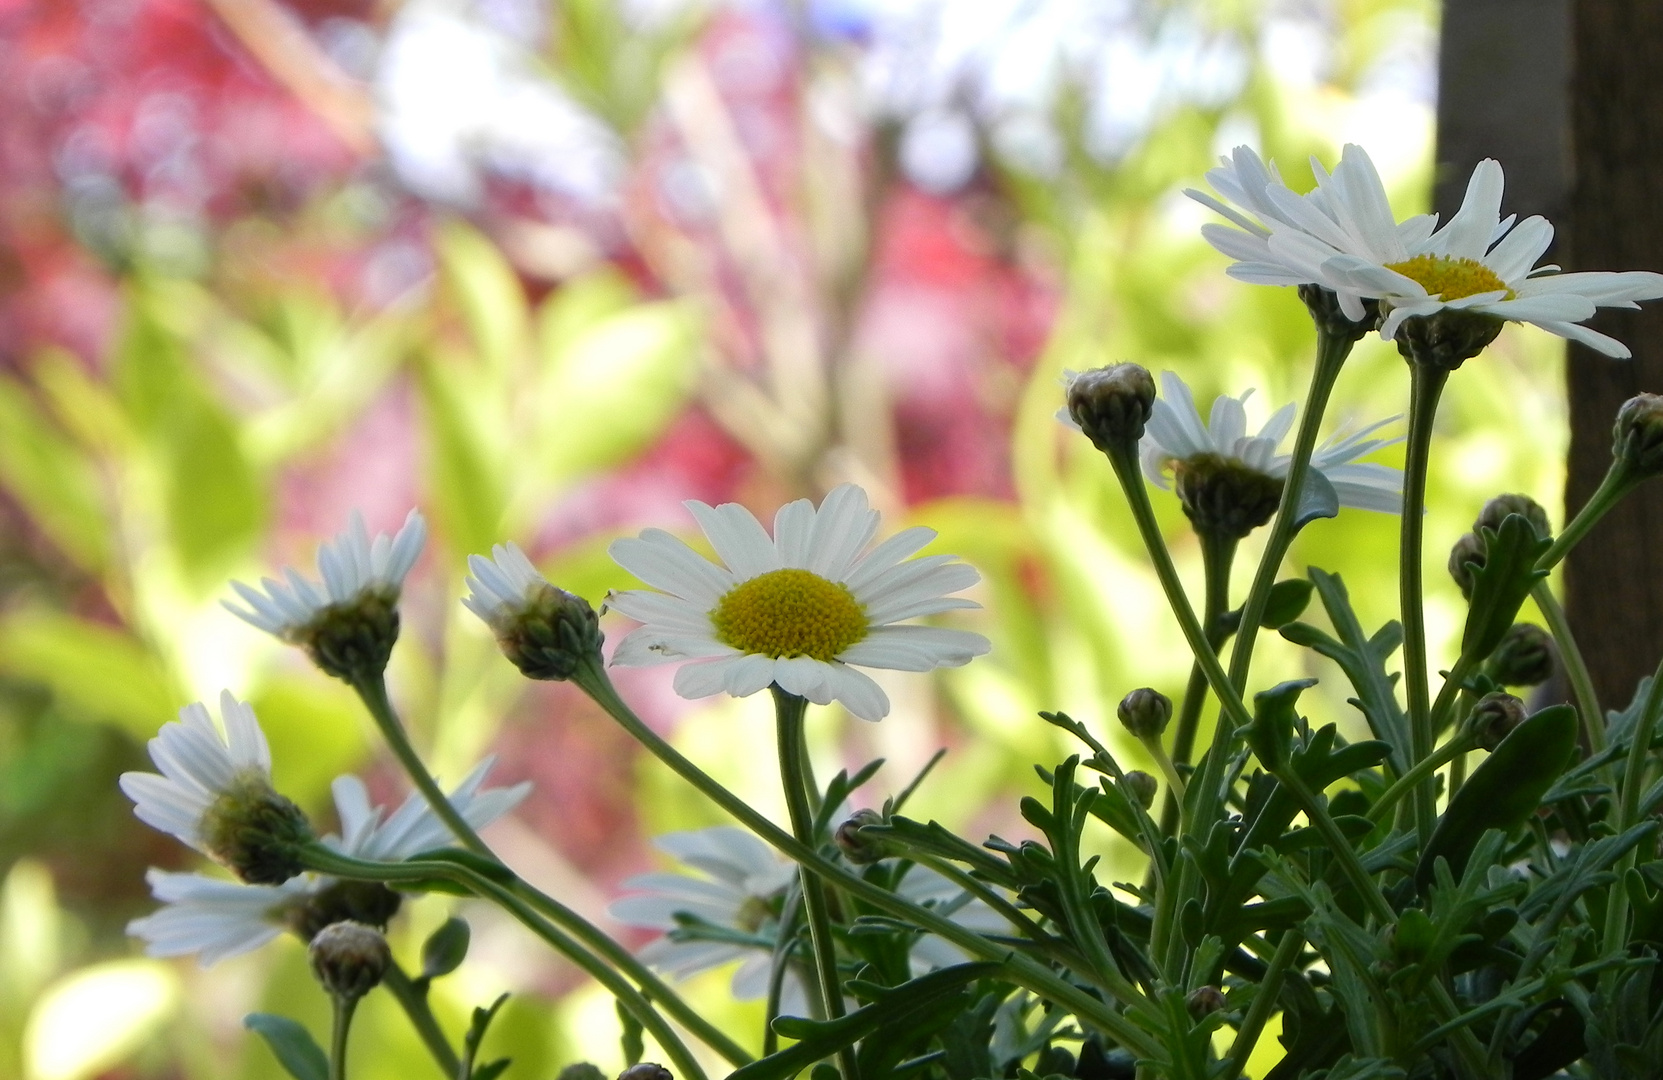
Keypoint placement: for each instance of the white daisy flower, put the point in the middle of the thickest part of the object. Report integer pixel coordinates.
(800, 609)
(1177, 439)
(352, 567)
(1485, 265)
(1283, 238)
(202, 770)
(743, 890)
(546, 631)
(216, 918)
(502, 585)
(414, 828)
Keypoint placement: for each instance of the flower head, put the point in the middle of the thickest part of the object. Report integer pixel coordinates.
(1282, 238)
(349, 623)
(1480, 265)
(367, 832)
(1230, 480)
(213, 917)
(801, 609)
(215, 794)
(546, 631)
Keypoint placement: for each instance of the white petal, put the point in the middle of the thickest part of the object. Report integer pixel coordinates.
(843, 527)
(857, 692)
(738, 538)
(747, 674)
(666, 563)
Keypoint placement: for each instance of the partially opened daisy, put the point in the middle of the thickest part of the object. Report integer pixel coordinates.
(1482, 265)
(1283, 238)
(215, 918)
(803, 609)
(368, 832)
(1231, 481)
(546, 631)
(214, 793)
(349, 622)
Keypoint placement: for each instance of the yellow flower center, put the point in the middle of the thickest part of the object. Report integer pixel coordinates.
(1451, 278)
(790, 612)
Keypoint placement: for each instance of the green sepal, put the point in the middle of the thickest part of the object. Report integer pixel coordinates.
(292, 1045)
(1503, 791)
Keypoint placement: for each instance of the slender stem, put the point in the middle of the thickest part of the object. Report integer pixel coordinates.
(1091, 1011)
(415, 1006)
(1264, 1004)
(1332, 350)
(1164, 763)
(1617, 483)
(1458, 744)
(319, 858)
(373, 691)
(1218, 556)
(374, 695)
(1628, 808)
(340, 1029)
(1426, 383)
(788, 714)
(1576, 669)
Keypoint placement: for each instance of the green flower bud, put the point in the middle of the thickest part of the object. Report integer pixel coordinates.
(1446, 338)
(1204, 1000)
(1637, 438)
(1112, 404)
(546, 631)
(349, 959)
(1524, 657)
(1495, 715)
(858, 849)
(1468, 549)
(368, 902)
(647, 1070)
(255, 832)
(1142, 787)
(353, 639)
(1325, 311)
(1223, 497)
(1145, 712)
(1496, 510)
(582, 1070)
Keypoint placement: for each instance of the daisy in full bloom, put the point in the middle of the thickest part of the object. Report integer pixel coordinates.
(1282, 238)
(353, 567)
(1481, 264)
(801, 609)
(743, 891)
(216, 918)
(214, 791)
(1220, 471)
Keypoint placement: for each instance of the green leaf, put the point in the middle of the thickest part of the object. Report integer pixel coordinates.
(216, 505)
(1287, 601)
(896, 1008)
(489, 293)
(1501, 584)
(445, 949)
(1317, 499)
(1270, 735)
(630, 1036)
(466, 484)
(1503, 791)
(471, 1042)
(56, 481)
(293, 1045)
(98, 671)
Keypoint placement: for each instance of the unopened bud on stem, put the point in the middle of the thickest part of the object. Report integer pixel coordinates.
(858, 849)
(1495, 715)
(1524, 657)
(349, 959)
(1142, 787)
(1637, 438)
(1145, 712)
(1112, 404)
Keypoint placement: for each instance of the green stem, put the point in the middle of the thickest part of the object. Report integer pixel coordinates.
(1458, 744)
(374, 695)
(1340, 848)
(1426, 383)
(1091, 1011)
(1164, 763)
(341, 1028)
(1332, 351)
(789, 710)
(1616, 484)
(415, 1006)
(1218, 556)
(1576, 669)
(319, 858)
(1628, 807)
(1264, 1004)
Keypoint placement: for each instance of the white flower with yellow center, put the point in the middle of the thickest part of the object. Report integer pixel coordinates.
(1283, 238)
(1482, 264)
(801, 609)
(1181, 450)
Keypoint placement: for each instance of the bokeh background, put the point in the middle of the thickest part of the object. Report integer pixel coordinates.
(545, 268)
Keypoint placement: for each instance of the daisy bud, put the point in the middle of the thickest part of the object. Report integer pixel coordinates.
(1497, 509)
(1204, 1000)
(353, 640)
(369, 903)
(1223, 497)
(349, 959)
(1495, 715)
(1145, 712)
(546, 631)
(647, 1070)
(1326, 312)
(859, 850)
(1111, 404)
(256, 832)
(1447, 338)
(1142, 787)
(1468, 549)
(1524, 657)
(1637, 438)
